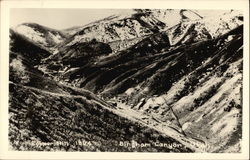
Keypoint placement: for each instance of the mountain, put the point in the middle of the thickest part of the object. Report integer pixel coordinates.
(128, 26)
(166, 15)
(52, 116)
(205, 28)
(126, 29)
(174, 73)
(142, 16)
(24, 47)
(43, 36)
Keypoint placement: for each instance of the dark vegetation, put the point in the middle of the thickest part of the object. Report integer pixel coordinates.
(147, 65)
(24, 47)
(81, 53)
(44, 117)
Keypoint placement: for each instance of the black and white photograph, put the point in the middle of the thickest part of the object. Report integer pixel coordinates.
(149, 80)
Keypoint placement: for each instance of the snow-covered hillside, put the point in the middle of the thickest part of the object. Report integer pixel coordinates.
(118, 27)
(205, 28)
(186, 26)
(43, 36)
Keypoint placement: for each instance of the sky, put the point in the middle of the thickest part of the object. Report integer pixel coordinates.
(66, 18)
(58, 18)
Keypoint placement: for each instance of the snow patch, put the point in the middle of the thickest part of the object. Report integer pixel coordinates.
(56, 38)
(130, 91)
(186, 125)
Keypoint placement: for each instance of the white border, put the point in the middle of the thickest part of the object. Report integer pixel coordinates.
(178, 4)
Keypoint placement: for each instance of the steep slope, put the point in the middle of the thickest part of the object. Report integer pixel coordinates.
(152, 76)
(163, 15)
(117, 28)
(122, 26)
(73, 57)
(43, 121)
(129, 26)
(206, 28)
(43, 36)
(122, 31)
(26, 48)
(154, 51)
(208, 100)
(46, 116)
(81, 53)
(110, 65)
(166, 15)
(126, 29)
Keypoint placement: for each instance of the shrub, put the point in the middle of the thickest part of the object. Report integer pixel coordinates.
(17, 72)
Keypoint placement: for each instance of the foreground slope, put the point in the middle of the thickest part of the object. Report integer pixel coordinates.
(41, 120)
